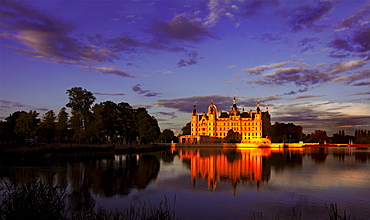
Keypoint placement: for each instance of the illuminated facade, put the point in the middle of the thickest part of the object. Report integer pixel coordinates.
(250, 126)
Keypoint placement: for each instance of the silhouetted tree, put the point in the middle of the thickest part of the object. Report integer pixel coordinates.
(166, 136)
(232, 137)
(80, 101)
(62, 125)
(27, 124)
(127, 120)
(318, 136)
(147, 126)
(47, 126)
(281, 132)
(186, 129)
(8, 128)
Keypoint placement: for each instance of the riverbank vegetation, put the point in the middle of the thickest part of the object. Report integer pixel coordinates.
(102, 123)
(37, 200)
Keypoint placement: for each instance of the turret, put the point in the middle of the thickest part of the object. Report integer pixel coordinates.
(194, 114)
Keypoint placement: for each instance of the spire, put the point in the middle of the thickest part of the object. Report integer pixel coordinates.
(258, 107)
(195, 109)
(234, 104)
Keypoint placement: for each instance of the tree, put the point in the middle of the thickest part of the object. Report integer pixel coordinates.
(281, 132)
(8, 127)
(105, 121)
(166, 136)
(232, 137)
(80, 101)
(127, 120)
(27, 124)
(47, 126)
(62, 125)
(147, 126)
(318, 136)
(186, 129)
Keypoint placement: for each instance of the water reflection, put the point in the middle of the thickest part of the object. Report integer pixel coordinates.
(237, 166)
(104, 177)
(246, 179)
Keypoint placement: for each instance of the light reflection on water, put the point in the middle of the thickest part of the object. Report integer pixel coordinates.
(217, 183)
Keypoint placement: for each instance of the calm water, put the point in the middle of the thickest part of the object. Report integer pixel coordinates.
(217, 183)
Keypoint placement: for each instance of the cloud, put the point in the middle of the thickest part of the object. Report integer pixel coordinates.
(298, 76)
(230, 67)
(251, 8)
(46, 37)
(216, 9)
(306, 97)
(295, 92)
(192, 58)
(340, 67)
(109, 94)
(170, 114)
(359, 18)
(362, 93)
(357, 41)
(364, 74)
(306, 43)
(323, 115)
(361, 84)
(180, 28)
(4, 104)
(259, 69)
(223, 103)
(305, 17)
(137, 88)
(111, 70)
(17, 106)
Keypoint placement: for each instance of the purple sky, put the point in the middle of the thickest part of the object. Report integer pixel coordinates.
(308, 61)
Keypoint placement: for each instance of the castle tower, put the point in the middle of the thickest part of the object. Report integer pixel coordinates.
(194, 121)
(212, 117)
(234, 110)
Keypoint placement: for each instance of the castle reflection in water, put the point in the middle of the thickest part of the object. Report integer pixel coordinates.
(236, 166)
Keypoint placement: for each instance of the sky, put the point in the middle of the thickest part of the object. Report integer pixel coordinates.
(307, 61)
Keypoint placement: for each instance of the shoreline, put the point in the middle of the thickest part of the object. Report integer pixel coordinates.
(34, 152)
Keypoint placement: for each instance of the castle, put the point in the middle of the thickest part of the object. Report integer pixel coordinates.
(213, 126)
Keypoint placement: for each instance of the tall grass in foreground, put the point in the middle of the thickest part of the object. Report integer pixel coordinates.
(34, 200)
(37, 200)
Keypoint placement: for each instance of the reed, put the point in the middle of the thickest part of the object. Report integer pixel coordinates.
(34, 200)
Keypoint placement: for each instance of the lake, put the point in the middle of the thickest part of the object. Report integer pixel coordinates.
(216, 183)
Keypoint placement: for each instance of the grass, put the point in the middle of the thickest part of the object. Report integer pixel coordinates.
(37, 200)
(34, 200)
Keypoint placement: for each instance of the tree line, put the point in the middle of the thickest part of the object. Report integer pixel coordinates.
(291, 133)
(105, 122)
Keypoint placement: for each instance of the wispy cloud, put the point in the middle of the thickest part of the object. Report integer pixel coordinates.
(180, 28)
(223, 103)
(306, 17)
(306, 97)
(17, 106)
(109, 94)
(259, 69)
(364, 74)
(323, 115)
(137, 88)
(359, 18)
